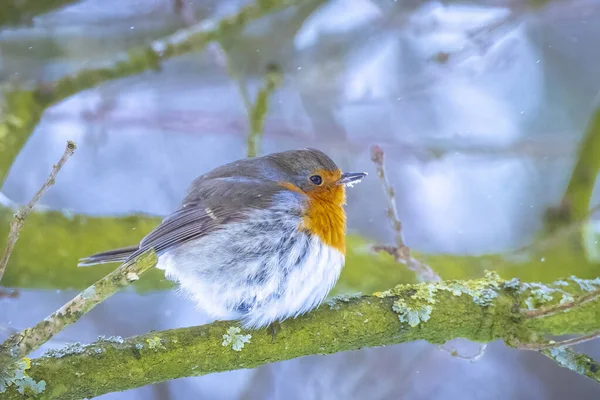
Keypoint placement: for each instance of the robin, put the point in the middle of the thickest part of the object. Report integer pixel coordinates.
(257, 240)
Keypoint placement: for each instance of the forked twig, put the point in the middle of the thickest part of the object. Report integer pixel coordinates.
(475, 357)
(400, 252)
(563, 343)
(21, 215)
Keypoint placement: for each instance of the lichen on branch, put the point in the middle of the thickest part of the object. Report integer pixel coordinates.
(17, 12)
(578, 363)
(258, 111)
(481, 310)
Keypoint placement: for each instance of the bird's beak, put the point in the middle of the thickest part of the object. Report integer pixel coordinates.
(351, 178)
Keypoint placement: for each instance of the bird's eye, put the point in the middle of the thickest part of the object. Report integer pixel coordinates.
(316, 179)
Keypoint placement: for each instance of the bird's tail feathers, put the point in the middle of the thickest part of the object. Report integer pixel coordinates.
(111, 256)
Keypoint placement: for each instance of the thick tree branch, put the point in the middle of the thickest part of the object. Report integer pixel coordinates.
(18, 12)
(149, 57)
(21, 215)
(479, 310)
(563, 343)
(575, 203)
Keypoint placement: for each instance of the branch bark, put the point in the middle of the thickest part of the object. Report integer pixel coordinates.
(149, 57)
(17, 12)
(479, 310)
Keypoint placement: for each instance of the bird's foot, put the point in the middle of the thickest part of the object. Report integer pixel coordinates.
(273, 329)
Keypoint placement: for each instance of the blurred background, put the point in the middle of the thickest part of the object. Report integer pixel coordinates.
(479, 106)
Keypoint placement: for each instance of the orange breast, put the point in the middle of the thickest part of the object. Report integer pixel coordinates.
(327, 220)
(325, 215)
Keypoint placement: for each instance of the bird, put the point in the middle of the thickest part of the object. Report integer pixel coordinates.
(258, 240)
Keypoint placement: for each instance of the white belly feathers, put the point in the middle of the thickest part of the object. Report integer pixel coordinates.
(279, 272)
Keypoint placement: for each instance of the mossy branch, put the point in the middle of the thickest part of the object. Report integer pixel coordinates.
(75, 236)
(21, 108)
(19, 218)
(575, 204)
(481, 310)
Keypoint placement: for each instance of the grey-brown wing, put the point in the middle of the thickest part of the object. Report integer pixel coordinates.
(223, 203)
(188, 224)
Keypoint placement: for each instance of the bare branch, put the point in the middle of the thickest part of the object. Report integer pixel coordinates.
(575, 203)
(259, 109)
(400, 252)
(474, 358)
(377, 156)
(21, 215)
(563, 343)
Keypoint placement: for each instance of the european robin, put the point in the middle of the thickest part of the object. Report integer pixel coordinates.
(257, 240)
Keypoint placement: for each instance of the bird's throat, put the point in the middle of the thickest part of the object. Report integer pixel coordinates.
(327, 220)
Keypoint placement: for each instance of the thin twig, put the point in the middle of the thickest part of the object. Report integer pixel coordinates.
(30, 339)
(377, 156)
(562, 343)
(475, 357)
(400, 252)
(579, 363)
(21, 215)
(559, 234)
(98, 368)
(18, 12)
(565, 357)
(257, 111)
(9, 293)
(551, 310)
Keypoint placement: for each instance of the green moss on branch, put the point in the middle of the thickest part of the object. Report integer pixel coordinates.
(21, 109)
(22, 343)
(19, 12)
(575, 204)
(51, 243)
(350, 323)
(259, 110)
